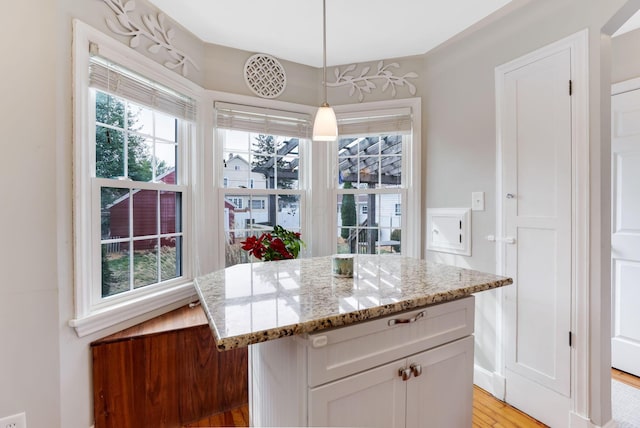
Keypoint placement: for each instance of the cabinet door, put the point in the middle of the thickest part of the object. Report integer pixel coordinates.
(374, 398)
(442, 395)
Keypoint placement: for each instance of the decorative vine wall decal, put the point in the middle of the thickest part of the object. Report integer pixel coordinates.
(153, 28)
(364, 84)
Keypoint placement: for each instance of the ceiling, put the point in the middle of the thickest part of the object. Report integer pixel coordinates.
(357, 30)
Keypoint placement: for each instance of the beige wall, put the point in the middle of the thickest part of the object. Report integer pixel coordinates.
(625, 56)
(42, 359)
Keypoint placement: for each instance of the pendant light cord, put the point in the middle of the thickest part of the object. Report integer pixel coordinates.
(324, 50)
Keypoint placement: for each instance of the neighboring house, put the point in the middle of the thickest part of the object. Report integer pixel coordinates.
(145, 215)
(237, 174)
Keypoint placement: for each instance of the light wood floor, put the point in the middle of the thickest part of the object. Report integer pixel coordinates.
(487, 411)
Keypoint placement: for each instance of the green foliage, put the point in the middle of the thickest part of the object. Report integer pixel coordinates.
(107, 274)
(396, 236)
(348, 211)
(110, 143)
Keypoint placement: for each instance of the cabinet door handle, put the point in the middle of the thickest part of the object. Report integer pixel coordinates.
(416, 369)
(404, 373)
(395, 321)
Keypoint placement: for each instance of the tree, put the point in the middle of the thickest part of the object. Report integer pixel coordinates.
(265, 156)
(110, 144)
(348, 211)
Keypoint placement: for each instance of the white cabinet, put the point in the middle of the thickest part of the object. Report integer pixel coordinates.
(441, 395)
(351, 376)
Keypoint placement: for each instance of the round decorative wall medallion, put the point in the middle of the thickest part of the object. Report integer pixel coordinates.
(265, 76)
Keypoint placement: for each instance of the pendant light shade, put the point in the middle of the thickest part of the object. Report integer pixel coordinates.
(325, 126)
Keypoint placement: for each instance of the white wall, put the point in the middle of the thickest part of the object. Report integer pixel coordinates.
(625, 60)
(459, 129)
(29, 349)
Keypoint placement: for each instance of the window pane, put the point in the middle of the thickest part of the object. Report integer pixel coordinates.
(145, 212)
(170, 212)
(115, 269)
(237, 171)
(166, 127)
(391, 169)
(142, 119)
(114, 213)
(165, 162)
(170, 258)
(109, 110)
(109, 152)
(288, 167)
(288, 215)
(145, 262)
(371, 162)
(140, 157)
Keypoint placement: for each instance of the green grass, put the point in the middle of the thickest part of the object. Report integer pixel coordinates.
(145, 269)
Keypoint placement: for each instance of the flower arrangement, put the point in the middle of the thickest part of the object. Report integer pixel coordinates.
(280, 244)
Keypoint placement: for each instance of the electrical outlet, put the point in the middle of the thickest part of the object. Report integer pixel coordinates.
(15, 421)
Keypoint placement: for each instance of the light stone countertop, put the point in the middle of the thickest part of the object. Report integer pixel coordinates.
(255, 302)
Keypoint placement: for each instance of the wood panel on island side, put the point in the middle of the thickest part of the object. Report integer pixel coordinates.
(165, 373)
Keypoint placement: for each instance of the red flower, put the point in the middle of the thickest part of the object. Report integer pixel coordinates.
(278, 245)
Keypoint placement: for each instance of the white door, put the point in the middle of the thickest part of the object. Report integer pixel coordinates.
(536, 225)
(625, 238)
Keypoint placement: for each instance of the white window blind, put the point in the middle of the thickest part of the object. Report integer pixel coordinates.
(261, 120)
(391, 121)
(117, 80)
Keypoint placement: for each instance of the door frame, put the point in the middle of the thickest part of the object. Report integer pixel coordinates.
(617, 89)
(580, 183)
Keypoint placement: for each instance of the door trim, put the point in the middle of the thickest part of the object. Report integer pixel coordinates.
(580, 284)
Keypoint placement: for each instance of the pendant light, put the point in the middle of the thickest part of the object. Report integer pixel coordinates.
(325, 126)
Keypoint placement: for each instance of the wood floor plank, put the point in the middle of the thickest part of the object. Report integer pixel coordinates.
(624, 377)
(488, 412)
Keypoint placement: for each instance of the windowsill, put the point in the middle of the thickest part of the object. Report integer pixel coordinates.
(166, 299)
(186, 316)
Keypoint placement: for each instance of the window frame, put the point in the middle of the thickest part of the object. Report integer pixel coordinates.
(213, 171)
(92, 313)
(411, 185)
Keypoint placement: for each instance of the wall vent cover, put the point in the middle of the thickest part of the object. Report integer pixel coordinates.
(265, 76)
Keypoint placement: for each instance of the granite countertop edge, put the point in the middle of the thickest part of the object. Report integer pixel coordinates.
(344, 319)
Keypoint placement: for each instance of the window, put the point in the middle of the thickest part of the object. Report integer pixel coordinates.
(372, 156)
(257, 204)
(265, 147)
(131, 187)
(225, 182)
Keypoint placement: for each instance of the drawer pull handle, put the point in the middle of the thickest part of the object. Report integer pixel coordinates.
(405, 373)
(416, 369)
(395, 321)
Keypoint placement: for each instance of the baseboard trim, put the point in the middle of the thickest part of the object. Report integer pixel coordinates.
(577, 421)
(491, 382)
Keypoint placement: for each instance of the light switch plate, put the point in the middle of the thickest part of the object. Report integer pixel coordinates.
(477, 201)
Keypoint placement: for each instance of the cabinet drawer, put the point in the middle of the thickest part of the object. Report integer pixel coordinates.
(337, 353)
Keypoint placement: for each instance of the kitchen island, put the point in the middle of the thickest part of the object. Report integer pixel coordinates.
(386, 348)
